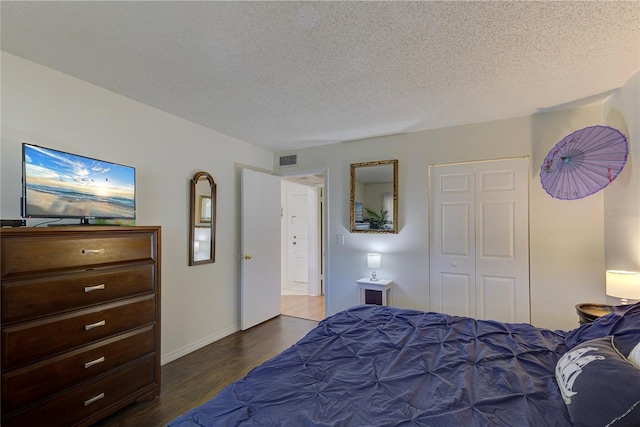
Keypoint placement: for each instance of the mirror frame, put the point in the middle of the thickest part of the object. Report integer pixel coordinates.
(352, 222)
(195, 213)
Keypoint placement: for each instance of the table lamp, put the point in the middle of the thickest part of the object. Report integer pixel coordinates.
(373, 262)
(623, 284)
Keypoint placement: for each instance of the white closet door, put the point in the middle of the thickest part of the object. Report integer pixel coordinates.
(502, 240)
(480, 240)
(453, 253)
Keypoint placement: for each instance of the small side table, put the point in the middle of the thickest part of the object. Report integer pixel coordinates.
(588, 312)
(375, 292)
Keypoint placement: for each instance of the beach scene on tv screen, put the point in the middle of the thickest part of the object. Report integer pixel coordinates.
(65, 185)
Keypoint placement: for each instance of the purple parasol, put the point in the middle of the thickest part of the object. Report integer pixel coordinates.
(584, 162)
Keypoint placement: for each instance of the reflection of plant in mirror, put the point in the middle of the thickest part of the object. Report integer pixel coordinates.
(376, 220)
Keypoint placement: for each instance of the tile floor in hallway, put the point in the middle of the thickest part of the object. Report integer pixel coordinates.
(295, 288)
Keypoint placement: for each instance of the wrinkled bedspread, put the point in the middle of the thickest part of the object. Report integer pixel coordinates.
(382, 366)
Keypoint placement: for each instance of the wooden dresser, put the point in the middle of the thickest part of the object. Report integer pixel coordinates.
(80, 322)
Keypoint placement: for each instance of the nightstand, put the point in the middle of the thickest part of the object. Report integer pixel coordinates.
(588, 312)
(375, 292)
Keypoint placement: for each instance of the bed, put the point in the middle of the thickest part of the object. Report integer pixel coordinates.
(383, 366)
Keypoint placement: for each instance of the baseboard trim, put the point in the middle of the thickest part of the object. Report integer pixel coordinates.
(183, 351)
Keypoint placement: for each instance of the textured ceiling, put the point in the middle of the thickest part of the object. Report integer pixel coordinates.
(284, 75)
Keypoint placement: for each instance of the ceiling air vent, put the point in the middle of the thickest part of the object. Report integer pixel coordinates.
(288, 160)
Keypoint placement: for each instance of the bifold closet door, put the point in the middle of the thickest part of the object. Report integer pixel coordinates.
(479, 240)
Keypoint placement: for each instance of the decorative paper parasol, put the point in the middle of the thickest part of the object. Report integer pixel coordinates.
(584, 162)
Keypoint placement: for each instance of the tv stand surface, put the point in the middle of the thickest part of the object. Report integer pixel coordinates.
(82, 224)
(83, 221)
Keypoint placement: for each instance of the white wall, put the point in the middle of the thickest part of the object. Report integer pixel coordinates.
(622, 198)
(44, 107)
(566, 237)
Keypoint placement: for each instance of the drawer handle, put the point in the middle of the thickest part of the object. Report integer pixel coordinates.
(94, 399)
(94, 362)
(95, 325)
(94, 288)
(92, 251)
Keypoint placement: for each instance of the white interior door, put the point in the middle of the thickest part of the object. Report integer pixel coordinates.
(480, 240)
(260, 246)
(302, 262)
(298, 243)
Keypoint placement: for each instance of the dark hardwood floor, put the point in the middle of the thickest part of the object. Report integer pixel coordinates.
(197, 377)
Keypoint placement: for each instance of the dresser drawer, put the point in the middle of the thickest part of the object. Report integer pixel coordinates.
(25, 299)
(75, 405)
(31, 254)
(31, 341)
(25, 386)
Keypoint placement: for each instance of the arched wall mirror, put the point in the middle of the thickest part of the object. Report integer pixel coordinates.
(374, 197)
(203, 219)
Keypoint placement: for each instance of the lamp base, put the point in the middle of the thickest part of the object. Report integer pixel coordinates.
(374, 277)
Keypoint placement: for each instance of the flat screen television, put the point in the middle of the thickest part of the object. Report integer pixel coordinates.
(56, 184)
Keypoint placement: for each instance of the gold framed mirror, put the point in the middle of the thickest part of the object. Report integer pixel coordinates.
(202, 219)
(374, 197)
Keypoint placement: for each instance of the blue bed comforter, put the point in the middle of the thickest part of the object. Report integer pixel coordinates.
(382, 366)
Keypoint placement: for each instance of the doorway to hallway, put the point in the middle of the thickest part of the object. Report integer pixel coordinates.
(302, 290)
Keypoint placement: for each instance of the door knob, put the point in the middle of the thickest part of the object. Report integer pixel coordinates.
(247, 257)
(294, 243)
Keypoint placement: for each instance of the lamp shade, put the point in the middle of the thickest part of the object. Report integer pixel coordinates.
(373, 260)
(623, 284)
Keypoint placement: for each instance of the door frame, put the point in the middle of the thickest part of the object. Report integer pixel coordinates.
(317, 254)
